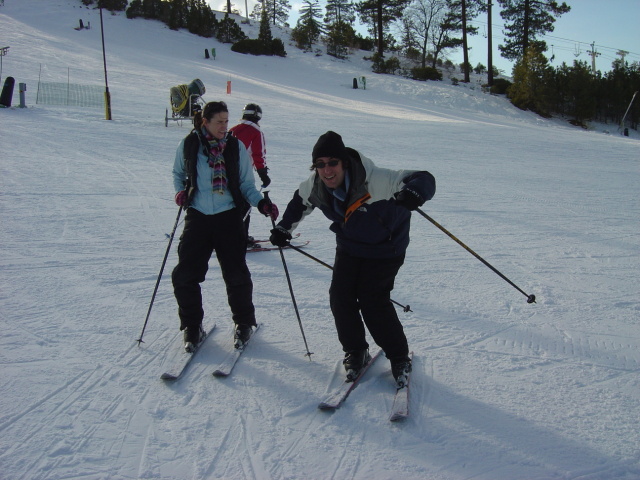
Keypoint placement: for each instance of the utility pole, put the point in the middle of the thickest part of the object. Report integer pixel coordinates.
(489, 46)
(622, 54)
(593, 54)
(107, 95)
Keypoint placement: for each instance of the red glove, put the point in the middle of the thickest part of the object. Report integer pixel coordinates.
(181, 198)
(268, 209)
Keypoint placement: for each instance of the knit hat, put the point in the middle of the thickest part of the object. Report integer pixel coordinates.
(329, 145)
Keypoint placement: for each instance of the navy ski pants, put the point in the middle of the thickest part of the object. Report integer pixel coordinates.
(361, 291)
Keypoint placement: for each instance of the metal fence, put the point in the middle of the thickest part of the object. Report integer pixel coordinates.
(70, 94)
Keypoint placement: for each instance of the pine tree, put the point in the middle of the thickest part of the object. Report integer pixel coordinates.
(111, 5)
(381, 13)
(532, 80)
(340, 34)
(457, 19)
(277, 11)
(308, 28)
(524, 21)
(176, 14)
(264, 34)
(582, 92)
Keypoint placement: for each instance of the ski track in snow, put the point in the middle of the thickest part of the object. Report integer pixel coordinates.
(501, 390)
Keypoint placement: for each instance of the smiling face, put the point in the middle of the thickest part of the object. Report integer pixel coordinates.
(331, 175)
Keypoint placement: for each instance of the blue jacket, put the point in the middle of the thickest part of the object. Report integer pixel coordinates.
(368, 223)
(203, 198)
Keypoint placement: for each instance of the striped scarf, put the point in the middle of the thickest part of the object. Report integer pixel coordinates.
(216, 162)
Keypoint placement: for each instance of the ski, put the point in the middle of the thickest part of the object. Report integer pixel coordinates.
(226, 366)
(177, 364)
(340, 394)
(400, 408)
(265, 240)
(268, 249)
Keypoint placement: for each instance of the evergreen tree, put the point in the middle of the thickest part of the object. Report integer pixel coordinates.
(264, 35)
(111, 5)
(175, 16)
(381, 13)
(532, 80)
(524, 21)
(340, 34)
(277, 11)
(201, 20)
(308, 28)
(153, 9)
(229, 31)
(339, 11)
(459, 14)
(581, 89)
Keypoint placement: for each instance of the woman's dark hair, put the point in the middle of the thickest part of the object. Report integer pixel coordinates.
(210, 109)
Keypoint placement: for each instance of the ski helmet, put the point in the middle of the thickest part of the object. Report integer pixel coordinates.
(252, 112)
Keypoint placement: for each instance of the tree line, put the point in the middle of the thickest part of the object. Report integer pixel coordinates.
(423, 32)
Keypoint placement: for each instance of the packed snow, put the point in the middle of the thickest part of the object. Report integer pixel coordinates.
(501, 389)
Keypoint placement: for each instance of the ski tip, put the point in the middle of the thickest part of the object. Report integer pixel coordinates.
(168, 376)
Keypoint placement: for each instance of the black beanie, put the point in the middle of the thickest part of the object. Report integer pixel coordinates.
(329, 145)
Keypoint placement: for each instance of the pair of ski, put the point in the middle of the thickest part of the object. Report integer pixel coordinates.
(177, 364)
(399, 410)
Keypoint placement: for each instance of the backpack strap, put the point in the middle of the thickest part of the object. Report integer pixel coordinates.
(193, 144)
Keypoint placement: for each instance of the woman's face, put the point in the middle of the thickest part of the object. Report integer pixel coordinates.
(217, 125)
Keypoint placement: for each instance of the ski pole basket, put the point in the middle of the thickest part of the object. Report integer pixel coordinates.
(186, 101)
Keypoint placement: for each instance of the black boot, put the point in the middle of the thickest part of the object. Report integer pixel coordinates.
(401, 368)
(354, 361)
(242, 335)
(193, 336)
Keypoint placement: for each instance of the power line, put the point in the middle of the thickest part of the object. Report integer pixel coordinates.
(476, 22)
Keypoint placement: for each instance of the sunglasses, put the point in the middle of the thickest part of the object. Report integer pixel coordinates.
(320, 165)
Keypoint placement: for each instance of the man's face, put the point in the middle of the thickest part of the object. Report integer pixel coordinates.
(330, 170)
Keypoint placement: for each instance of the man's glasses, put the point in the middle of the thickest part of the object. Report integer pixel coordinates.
(320, 165)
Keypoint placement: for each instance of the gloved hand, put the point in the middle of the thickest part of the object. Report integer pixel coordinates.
(264, 178)
(280, 237)
(181, 198)
(408, 199)
(268, 209)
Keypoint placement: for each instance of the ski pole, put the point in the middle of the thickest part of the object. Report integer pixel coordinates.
(530, 298)
(293, 298)
(405, 308)
(164, 261)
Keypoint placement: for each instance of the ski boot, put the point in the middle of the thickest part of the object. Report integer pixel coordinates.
(354, 361)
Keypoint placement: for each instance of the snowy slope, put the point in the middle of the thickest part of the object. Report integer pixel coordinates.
(502, 389)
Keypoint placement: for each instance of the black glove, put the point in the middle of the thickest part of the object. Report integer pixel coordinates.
(264, 178)
(268, 209)
(408, 199)
(280, 237)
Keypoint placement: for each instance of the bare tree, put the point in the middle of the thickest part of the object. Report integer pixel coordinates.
(422, 19)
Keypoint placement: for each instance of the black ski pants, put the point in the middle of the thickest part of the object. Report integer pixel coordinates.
(361, 290)
(203, 234)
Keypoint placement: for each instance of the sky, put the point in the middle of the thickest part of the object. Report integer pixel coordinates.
(501, 389)
(612, 25)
